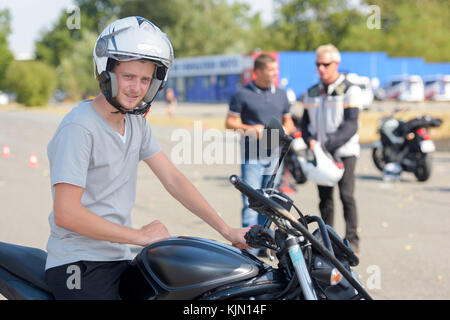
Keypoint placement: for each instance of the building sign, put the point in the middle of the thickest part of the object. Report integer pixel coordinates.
(210, 65)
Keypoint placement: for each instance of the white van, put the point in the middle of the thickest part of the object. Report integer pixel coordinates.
(405, 88)
(437, 88)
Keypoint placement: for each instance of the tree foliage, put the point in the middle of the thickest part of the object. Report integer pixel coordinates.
(407, 27)
(76, 72)
(6, 56)
(32, 81)
(57, 42)
(206, 27)
(304, 25)
(415, 28)
(195, 27)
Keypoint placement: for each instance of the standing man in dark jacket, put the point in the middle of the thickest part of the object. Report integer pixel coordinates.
(250, 108)
(331, 118)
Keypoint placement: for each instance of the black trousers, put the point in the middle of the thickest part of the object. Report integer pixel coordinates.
(346, 189)
(86, 280)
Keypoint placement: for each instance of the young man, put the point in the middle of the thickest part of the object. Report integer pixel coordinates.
(331, 117)
(94, 156)
(250, 108)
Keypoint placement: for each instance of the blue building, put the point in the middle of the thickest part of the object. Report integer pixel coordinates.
(216, 78)
(208, 78)
(300, 70)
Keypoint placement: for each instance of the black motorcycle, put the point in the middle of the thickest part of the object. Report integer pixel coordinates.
(311, 265)
(405, 146)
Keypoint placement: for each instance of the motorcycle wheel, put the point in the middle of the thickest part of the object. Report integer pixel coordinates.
(423, 169)
(377, 156)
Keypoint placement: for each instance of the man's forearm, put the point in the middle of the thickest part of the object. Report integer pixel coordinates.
(80, 220)
(238, 125)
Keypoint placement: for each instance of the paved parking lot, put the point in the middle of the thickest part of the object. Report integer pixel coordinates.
(404, 226)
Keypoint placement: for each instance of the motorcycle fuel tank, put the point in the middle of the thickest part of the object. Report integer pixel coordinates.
(185, 268)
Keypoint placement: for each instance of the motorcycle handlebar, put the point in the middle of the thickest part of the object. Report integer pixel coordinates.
(250, 192)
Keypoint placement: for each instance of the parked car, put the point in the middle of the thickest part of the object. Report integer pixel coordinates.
(437, 88)
(404, 88)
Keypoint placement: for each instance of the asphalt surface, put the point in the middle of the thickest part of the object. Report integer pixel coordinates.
(404, 225)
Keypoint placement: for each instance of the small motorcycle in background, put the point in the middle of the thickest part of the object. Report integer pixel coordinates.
(405, 146)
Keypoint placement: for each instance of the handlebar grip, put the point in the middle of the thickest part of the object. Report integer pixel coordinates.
(250, 192)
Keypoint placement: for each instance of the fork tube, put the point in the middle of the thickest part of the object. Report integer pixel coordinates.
(298, 261)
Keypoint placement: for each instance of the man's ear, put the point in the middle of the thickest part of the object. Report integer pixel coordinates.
(337, 65)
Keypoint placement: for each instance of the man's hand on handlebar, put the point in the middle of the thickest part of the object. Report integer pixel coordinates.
(237, 238)
(258, 236)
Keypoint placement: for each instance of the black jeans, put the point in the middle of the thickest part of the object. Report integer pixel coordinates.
(346, 189)
(86, 280)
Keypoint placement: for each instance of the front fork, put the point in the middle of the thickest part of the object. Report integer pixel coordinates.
(298, 261)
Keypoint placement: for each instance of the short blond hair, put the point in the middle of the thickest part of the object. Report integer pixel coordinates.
(332, 50)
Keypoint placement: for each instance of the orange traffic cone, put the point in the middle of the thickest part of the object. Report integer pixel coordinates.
(6, 152)
(33, 162)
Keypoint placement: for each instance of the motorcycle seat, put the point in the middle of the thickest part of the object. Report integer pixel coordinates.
(24, 262)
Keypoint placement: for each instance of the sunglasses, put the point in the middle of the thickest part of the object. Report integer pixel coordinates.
(318, 64)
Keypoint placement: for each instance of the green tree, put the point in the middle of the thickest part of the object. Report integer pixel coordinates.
(305, 24)
(33, 81)
(57, 42)
(416, 28)
(76, 72)
(407, 28)
(199, 27)
(6, 56)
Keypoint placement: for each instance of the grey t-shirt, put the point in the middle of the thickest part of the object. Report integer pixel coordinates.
(85, 151)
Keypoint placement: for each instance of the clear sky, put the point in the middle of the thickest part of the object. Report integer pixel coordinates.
(30, 17)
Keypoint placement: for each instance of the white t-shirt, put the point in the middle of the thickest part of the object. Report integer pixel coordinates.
(86, 151)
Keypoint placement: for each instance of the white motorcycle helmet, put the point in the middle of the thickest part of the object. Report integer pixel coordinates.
(323, 170)
(127, 39)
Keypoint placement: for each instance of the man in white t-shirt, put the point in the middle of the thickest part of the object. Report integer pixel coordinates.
(94, 156)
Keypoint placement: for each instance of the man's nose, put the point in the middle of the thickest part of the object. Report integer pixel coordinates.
(135, 86)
